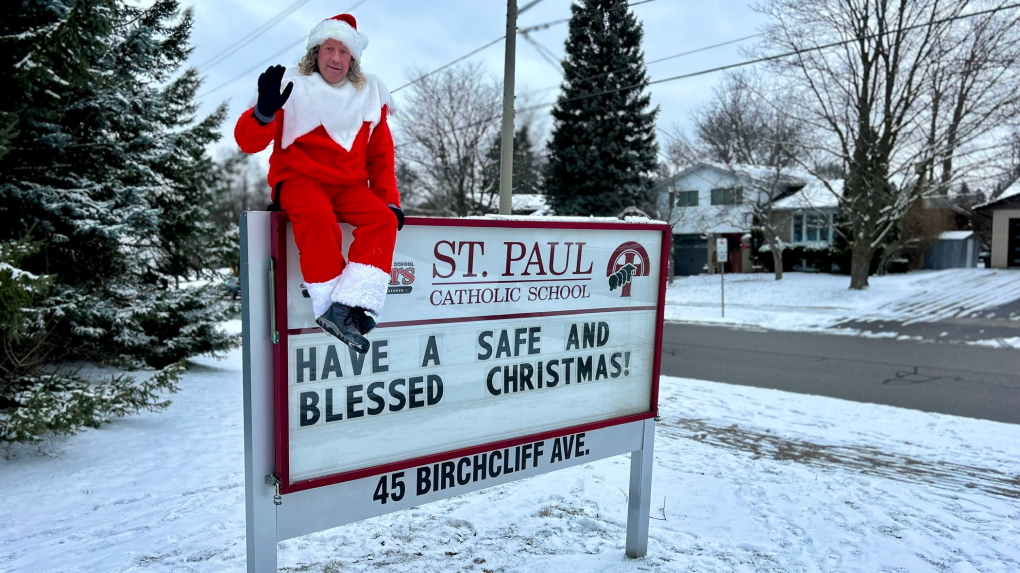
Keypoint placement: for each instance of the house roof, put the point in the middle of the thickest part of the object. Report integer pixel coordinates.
(785, 177)
(1011, 193)
(529, 203)
(817, 194)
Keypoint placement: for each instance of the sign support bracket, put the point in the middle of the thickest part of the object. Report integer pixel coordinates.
(274, 331)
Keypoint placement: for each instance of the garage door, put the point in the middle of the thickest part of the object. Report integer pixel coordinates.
(690, 255)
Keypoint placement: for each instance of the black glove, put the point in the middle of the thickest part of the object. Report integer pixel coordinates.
(399, 215)
(270, 98)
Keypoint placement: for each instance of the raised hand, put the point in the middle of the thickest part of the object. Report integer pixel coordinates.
(270, 97)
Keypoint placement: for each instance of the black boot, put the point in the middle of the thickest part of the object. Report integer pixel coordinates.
(343, 322)
(364, 321)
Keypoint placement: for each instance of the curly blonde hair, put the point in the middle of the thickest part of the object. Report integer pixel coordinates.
(310, 64)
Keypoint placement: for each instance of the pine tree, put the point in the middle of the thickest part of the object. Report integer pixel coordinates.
(527, 172)
(602, 154)
(106, 176)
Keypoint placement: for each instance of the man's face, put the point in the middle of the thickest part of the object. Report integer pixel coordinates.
(334, 61)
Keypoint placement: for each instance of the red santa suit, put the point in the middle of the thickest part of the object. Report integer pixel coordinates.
(333, 157)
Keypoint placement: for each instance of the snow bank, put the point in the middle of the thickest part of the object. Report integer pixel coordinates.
(813, 301)
(745, 480)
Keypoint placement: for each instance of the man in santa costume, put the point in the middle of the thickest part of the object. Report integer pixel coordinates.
(332, 157)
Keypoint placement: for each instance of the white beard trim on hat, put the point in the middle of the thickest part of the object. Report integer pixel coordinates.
(341, 109)
(320, 295)
(362, 285)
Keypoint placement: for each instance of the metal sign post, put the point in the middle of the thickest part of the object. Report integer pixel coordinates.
(449, 399)
(722, 255)
(259, 437)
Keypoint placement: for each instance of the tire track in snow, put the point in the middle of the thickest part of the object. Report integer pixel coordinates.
(864, 459)
(984, 289)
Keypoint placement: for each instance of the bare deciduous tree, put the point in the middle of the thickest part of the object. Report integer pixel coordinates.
(973, 90)
(745, 122)
(745, 126)
(761, 188)
(917, 88)
(444, 129)
(757, 188)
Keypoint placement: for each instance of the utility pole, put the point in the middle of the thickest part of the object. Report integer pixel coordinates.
(506, 152)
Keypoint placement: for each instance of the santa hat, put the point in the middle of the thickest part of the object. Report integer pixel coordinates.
(342, 27)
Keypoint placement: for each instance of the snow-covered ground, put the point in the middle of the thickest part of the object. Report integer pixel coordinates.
(744, 480)
(814, 301)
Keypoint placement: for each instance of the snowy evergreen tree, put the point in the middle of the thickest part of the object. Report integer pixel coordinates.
(602, 155)
(527, 177)
(105, 189)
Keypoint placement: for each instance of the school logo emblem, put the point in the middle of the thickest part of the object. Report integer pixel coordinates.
(401, 278)
(629, 260)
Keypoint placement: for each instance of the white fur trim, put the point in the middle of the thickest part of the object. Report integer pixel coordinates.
(341, 31)
(362, 285)
(342, 108)
(320, 295)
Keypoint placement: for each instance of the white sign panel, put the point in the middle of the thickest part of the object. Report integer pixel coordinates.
(489, 334)
(321, 508)
(722, 253)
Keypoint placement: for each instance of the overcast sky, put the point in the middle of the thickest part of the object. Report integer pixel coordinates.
(405, 35)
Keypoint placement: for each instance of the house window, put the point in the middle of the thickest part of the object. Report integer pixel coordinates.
(686, 198)
(812, 228)
(731, 196)
(818, 227)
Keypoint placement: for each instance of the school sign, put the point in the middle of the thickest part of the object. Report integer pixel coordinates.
(506, 349)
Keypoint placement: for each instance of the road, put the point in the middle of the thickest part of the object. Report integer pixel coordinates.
(953, 379)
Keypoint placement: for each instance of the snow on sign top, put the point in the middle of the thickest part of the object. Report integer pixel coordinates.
(492, 331)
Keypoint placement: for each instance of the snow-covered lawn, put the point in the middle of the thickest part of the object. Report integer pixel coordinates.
(808, 301)
(744, 480)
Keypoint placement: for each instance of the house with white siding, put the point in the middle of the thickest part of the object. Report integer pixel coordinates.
(709, 201)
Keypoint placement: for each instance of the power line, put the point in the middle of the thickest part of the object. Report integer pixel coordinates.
(778, 56)
(656, 61)
(544, 52)
(524, 30)
(443, 67)
(250, 37)
(412, 82)
(527, 7)
(257, 66)
(267, 60)
(748, 62)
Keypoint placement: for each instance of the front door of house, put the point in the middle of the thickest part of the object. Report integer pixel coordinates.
(1013, 245)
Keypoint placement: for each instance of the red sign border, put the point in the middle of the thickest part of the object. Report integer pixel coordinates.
(278, 222)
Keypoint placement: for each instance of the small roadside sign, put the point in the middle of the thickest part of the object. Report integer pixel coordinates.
(721, 250)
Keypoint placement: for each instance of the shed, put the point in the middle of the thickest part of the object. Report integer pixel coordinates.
(953, 250)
